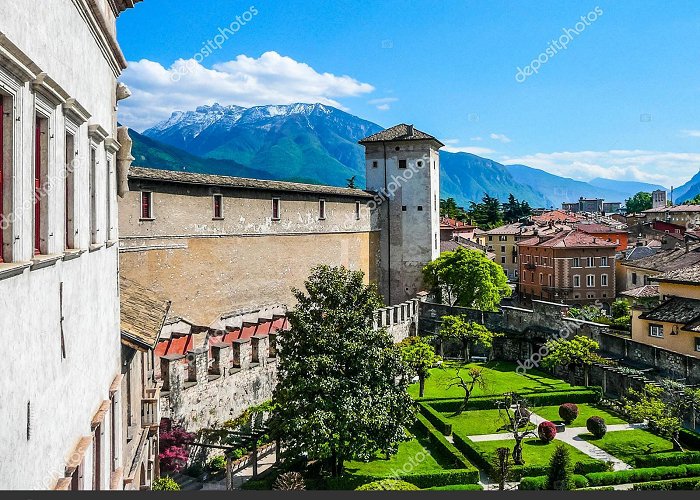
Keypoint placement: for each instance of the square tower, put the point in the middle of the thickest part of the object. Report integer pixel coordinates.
(403, 171)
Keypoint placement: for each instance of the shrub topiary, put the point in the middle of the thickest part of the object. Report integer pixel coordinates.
(596, 426)
(568, 412)
(388, 484)
(165, 483)
(547, 431)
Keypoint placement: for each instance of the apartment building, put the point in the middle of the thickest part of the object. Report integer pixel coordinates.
(59, 294)
(570, 266)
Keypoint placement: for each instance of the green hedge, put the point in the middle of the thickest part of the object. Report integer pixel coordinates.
(439, 441)
(690, 483)
(422, 480)
(467, 447)
(540, 482)
(642, 475)
(668, 458)
(457, 487)
(435, 418)
(534, 399)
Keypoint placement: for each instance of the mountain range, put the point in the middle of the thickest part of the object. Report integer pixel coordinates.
(317, 143)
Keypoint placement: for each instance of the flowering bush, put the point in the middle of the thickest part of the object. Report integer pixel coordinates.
(165, 483)
(568, 412)
(547, 431)
(596, 426)
(174, 450)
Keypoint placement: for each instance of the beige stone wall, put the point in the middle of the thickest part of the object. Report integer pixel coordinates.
(206, 277)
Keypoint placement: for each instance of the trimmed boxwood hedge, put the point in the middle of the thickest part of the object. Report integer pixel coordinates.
(435, 418)
(540, 482)
(585, 395)
(457, 487)
(689, 483)
(444, 445)
(422, 480)
(642, 475)
(690, 438)
(668, 458)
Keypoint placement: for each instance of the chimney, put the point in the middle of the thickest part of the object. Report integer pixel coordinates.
(409, 130)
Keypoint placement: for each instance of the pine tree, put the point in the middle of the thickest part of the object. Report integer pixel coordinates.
(561, 470)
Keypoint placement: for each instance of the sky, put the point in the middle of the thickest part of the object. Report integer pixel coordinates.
(577, 88)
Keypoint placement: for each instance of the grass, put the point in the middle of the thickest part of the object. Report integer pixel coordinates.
(414, 456)
(626, 445)
(500, 377)
(475, 422)
(586, 411)
(535, 452)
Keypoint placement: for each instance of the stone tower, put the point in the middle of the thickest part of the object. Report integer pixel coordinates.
(658, 198)
(403, 171)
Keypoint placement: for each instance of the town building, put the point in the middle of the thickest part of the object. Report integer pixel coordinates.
(403, 169)
(637, 268)
(618, 236)
(592, 206)
(658, 199)
(451, 229)
(683, 215)
(570, 266)
(59, 295)
(675, 323)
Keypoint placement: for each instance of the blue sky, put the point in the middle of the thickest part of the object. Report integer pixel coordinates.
(621, 101)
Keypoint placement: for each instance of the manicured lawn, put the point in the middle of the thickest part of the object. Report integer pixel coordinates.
(472, 423)
(535, 452)
(414, 456)
(500, 377)
(626, 445)
(585, 411)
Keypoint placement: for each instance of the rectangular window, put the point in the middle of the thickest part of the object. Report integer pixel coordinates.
(375, 164)
(108, 201)
(435, 203)
(275, 209)
(436, 242)
(420, 208)
(656, 331)
(549, 279)
(357, 210)
(321, 209)
(541, 279)
(634, 278)
(590, 262)
(576, 263)
(503, 237)
(603, 280)
(146, 205)
(402, 163)
(69, 178)
(590, 280)
(3, 184)
(503, 249)
(93, 196)
(41, 156)
(403, 208)
(604, 262)
(503, 259)
(218, 206)
(577, 281)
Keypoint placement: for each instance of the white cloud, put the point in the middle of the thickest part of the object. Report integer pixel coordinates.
(245, 81)
(383, 103)
(690, 133)
(475, 150)
(500, 137)
(658, 167)
(476, 139)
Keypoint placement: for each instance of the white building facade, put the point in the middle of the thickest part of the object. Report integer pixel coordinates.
(59, 293)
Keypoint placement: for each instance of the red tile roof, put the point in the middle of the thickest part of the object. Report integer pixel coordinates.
(568, 239)
(599, 229)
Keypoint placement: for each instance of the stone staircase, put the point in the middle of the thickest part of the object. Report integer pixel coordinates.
(186, 483)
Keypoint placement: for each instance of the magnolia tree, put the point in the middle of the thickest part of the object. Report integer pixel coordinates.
(419, 357)
(468, 332)
(341, 390)
(577, 352)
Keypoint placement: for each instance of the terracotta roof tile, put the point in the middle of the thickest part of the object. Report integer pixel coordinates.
(569, 239)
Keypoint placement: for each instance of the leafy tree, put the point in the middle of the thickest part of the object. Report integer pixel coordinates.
(664, 406)
(449, 208)
(513, 411)
(487, 214)
(351, 182)
(474, 378)
(694, 201)
(467, 332)
(620, 308)
(341, 391)
(467, 278)
(579, 351)
(419, 356)
(561, 470)
(639, 202)
(514, 210)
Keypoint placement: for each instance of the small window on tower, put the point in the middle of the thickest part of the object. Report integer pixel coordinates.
(275, 209)
(321, 209)
(403, 208)
(146, 205)
(402, 163)
(420, 164)
(420, 208)
(375, 164)
(357, 210)
(218, 206)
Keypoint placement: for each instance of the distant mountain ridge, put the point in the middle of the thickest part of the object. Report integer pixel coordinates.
(317, 143)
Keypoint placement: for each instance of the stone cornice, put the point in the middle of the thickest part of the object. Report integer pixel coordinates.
(90, 11)
(52, 91)
(75, 112)
(97, 133)
(112, 145)
(16, 62)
